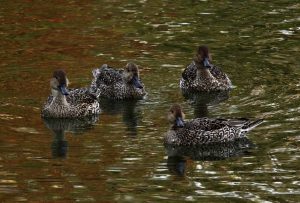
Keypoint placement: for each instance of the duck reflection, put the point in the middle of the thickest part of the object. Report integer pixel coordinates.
(201, 101)
(130, 114)
(178, 155)
(58, 127)
(176, 165)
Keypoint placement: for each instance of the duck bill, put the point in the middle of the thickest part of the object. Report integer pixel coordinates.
(206, 63)
(179, 122)
(63, 90)
(136, 82)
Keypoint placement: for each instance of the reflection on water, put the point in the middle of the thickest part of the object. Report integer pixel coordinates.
(127, 108)
(255, 42)
(176, 165)
(59, 145)
(211, 152)
(59, 126)
(201, 101)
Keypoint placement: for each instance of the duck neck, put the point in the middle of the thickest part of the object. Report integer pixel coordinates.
(59, 98)
(127, 77)
(203, 73)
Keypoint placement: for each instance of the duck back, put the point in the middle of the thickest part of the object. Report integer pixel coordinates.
(109, 83)
(204, 131)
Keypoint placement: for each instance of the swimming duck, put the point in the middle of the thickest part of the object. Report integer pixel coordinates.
(118, 84)
(205, 130)
(202, 76)
(68, 104)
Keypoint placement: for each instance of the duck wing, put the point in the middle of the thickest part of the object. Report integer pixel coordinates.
(48, 101)
(81, 96)
(190, 72)
(220, 75)
(205, 124)
(242, 123)
(107, 75)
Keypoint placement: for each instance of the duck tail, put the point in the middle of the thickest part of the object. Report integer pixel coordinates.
(96, 72)
(250, 125)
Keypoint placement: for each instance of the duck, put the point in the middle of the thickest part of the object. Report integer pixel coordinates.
(202, 76)
(64, 103)
(118, 84)
(205, 130)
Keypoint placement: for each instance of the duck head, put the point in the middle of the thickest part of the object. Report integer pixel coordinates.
(176, 116)
(131, 75)
(202, 58)
(59, 83)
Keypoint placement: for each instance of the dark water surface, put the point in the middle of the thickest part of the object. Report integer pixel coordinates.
(119, 157)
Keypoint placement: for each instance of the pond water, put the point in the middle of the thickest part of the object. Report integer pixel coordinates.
(119, 156)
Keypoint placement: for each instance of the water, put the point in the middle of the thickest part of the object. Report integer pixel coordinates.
(119, 157)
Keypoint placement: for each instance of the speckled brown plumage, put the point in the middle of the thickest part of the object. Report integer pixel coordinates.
(192, 81)
(112, 84)
(78, 103)
(205, 130)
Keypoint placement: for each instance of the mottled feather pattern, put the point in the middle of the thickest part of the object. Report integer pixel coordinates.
(109, 83)
(205, 130)
(80, 103)
(189, 73)
(109, 76)
(189, 81)
(81, 95)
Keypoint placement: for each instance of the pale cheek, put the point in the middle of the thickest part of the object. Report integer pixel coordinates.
(127, 76)
(183, 115)
(68, 82)
(54, 92)
(171, 118)
(53, 83)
